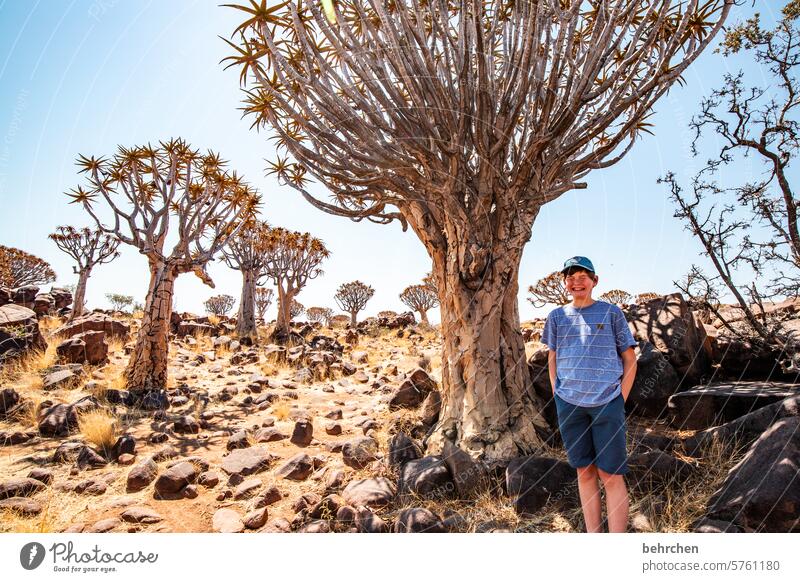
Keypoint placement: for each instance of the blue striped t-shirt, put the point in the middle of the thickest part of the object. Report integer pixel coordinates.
(588, 342)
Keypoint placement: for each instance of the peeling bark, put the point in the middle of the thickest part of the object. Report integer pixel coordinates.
(78, 302)
(246, 329)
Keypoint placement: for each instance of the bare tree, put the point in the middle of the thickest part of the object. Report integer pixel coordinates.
(245, 253)
(549, 290)
(320, 315)
(155, 194)
(352, 297)
(18, 268)
(461, 119)
(291, 260)
(420, 298)
(263, 301)
(88, 248)
(219, 305)
(617, 297)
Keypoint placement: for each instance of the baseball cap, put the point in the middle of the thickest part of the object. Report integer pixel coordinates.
(578, 262)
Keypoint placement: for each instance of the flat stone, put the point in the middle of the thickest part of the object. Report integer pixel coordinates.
(141, 475)
(140, 514)
(20, 487)
(247, 489)
(247, 461)
(376, 492)
(227, 521)
(22, 505)
(256, 518)
(297, 468)
(175, 478)
(104, 525)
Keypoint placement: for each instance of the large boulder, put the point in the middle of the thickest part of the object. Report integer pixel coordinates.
(62, 298)
(89, 347)
(43, 304)
(427, 477)
(359, 452)
(60, 419)
(24, 295)
(669, 324)
(413, 390)
(720, 402)
(745, 429)
(656, 380)
(375, 492)
(761, 492)
(19, 331)
(533, 481)
(95, 321)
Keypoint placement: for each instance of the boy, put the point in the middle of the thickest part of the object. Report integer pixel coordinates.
(592, 366)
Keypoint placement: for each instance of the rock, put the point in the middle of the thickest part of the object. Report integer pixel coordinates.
(268, 435)
(175, 478)
(126, 459)
(256, 518)
(268, 497)
(19, 331)
(186, 424)
(140, 514)
(720, 402)
(91, 487)
(141, 475)
(417, 520)
(359, 452)
(279, 525)
(60, 419)
(24, 294)
(8, 439)
(238, 440)
(297, 468)
(41, 474)
(104, 525)
(656, 380)
(9, 398)
(706, 525)
(427, 477)
(21, 505)
(247, 489)
(62, 298)
(668, 324)
(326, 507)
(333, 428)
(303, 433)
(375, 493)
(402, 449)
(761, 491)
(43, 304)
(412, 392)
(88, 458)
(227, 521)
(656, 468)
(63, 378)
(67, 452)
(244, 462)
(745, 429)
(533, 481)
(88, 347)
(95, 321)
(367, 522)
(431, 406)
(346, 515)
(316, 526)
(20, 487)
(125, 444)
(469, 476)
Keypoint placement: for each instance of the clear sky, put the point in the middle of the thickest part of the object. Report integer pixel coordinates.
(82, 76)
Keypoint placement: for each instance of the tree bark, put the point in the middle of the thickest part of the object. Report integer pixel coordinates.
(147, 368)
(282, 329)
(423, 316)
(80, 294)
(246, 329)
(353, 320)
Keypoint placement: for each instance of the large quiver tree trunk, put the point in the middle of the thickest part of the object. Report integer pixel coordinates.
(246, 329)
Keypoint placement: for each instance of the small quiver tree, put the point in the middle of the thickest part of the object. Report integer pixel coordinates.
(549, 290)
(119, 302)
(291, 260)
(321, 315)
(151, 197)
(88, 248)
(420, 298)
(219, 305)
(18, 268)
(352, 297)
(263, 301)
(617, 297)
(297, 309)
(245, 253)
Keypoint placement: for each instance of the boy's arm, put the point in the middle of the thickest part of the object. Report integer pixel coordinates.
(628, 372)
(551, 368)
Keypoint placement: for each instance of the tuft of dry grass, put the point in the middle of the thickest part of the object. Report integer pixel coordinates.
(24, 374)
(99, 427)
(281, 409)
(214, 319)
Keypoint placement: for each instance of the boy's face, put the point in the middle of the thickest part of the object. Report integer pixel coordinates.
(579, 284)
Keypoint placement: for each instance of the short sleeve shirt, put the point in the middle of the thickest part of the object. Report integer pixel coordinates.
(588, 342)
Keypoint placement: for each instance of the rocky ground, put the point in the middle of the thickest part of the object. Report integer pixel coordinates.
(328, 436)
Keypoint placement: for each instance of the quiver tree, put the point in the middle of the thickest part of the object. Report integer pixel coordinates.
(155, 195)
(646, 296)
(617, 297)
(119, 302)
(263, 301)
(549, 290)
(219, 305)
(320, 315)
(461, 119)
(420, 298)
(352, 297)
(18, 268)
(297, 309)
(88, 248)
(245, 253)
(291, 260)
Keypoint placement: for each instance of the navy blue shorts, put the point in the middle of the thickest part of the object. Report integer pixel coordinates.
(594, 435)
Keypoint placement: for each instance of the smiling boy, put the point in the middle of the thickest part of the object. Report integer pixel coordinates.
(592, 366)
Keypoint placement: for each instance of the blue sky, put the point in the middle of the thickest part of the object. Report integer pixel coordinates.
(81, 76)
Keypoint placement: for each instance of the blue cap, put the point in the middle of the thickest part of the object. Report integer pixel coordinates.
(578, 262)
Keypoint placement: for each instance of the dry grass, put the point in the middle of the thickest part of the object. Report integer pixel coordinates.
(214, 319)
(44, 522)
(99, 427)
(24, 374)
(281, 410)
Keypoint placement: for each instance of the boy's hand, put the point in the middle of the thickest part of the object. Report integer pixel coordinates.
(551, 368)
(628, 372)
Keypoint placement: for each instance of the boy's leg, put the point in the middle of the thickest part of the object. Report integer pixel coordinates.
(616, 501)
(589, 491)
